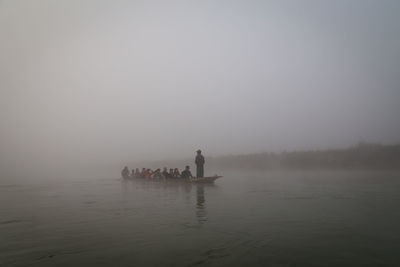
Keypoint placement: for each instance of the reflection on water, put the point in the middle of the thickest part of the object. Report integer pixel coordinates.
(201, 207)
(175, 189)
(268, 219)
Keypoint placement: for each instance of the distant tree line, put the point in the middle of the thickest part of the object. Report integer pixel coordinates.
(361, 156)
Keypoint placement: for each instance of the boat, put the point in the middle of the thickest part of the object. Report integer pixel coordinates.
(202, 180)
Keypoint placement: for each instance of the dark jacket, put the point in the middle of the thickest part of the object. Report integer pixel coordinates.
(186, 174)
(166, 174)
(199, 160)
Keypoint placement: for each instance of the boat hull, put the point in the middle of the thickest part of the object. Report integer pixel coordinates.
(202, 180)
(206, 180)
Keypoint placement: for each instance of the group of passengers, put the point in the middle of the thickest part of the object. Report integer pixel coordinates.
(157, 174)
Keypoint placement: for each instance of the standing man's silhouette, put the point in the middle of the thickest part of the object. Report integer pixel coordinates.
(199, 164)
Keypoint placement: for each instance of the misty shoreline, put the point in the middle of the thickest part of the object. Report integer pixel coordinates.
(362, 156)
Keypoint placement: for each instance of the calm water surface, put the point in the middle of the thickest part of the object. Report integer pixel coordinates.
(249, 219)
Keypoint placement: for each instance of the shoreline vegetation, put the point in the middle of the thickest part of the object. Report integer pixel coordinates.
(363, 156)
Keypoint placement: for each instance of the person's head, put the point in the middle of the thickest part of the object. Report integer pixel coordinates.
(198, 151)
(176, 170)
(143, 169)
(171, 170)
(165, 169)
(187, 167)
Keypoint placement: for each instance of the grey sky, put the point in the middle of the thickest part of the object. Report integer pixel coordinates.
(128, 80)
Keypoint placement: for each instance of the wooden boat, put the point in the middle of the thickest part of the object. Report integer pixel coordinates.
(204, 180)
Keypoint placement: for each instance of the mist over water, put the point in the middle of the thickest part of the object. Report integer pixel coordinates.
(294, 103)
(254, 219)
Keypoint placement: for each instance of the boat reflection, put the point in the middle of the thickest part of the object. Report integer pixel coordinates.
(139, 190)
(201, 212)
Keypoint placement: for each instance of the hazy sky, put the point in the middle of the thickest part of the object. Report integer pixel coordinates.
(127, 80)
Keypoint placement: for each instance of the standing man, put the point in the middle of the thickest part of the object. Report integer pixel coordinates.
(199, 164)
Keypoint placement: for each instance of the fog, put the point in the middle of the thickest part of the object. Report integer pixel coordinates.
(110, 82)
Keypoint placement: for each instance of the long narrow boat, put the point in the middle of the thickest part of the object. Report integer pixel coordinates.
(205, 180)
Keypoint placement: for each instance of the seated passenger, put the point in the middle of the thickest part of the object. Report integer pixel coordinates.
(177, 174)
(165, 173)
(125, 172)
(157, 174)
(149, 173)
(171, 173)
(143, 173)
(133, 173)
(137, 173)
(186, 173)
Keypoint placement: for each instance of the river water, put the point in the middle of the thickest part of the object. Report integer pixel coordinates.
(248, 219)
